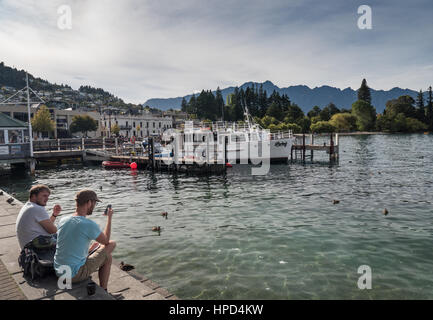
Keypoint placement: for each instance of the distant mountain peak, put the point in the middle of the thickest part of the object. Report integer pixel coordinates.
(304, 96)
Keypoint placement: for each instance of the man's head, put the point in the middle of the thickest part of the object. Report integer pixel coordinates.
(39, 194)
(86, 199)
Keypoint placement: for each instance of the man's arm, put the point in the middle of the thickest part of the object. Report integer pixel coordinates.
(104, 237)
(49, 226)
(56, 211)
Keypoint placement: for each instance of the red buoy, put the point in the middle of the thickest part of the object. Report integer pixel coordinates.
(228, 165)
(133, 166)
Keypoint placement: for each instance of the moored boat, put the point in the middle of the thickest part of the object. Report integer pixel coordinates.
(115, 164)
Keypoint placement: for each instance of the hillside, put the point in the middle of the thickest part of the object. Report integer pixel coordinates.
(60, 96)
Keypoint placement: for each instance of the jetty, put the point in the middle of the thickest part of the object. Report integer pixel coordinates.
(122, 285)
(306, 143)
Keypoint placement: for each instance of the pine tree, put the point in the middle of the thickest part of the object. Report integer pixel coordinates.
(219, 103)
(184, 105)
(262, 101)
(429, 109)
(420, 111)
(364, 92)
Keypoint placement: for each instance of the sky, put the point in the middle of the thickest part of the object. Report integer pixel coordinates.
(142, 49)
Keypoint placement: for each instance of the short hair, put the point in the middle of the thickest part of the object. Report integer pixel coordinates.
(83, 196)
(38, 188)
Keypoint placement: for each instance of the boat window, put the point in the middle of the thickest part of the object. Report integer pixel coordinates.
(238, 138)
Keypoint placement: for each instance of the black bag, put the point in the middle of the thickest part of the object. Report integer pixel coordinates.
(36, 262)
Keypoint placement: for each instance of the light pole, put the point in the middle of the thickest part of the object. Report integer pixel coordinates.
(29, 116)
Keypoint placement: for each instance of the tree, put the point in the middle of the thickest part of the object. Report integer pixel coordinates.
(420, 109)
(219, 102)
(42, 122)
(314, 112)
(304, 124)
(343, 122)
(429, 110)
(275, 111)
(399, 123)
(365, 115)
(315, 119)
(403, 104)
(184, 105)
(293, 114)
(327, 112)
(115, 129)
(267, 121)
(322, 127)
(83, 124)
(364, 92)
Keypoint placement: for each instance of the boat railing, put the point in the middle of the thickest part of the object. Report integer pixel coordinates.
(281, 135)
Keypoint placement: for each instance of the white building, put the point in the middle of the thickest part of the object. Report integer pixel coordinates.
(139, 126)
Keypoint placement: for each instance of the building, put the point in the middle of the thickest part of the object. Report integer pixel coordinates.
(178, 117)
(140, 126)
(61, 117)
(14, 140)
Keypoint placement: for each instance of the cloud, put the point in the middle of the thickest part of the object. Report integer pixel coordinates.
(146, 49)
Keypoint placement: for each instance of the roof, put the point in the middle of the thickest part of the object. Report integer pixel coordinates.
(8, 122)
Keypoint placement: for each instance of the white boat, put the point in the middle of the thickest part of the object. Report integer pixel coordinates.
(233, 142)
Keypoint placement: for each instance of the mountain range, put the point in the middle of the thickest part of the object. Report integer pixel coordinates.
(305, 97)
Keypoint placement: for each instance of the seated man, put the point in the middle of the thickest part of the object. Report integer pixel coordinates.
(34, 225)
(73, 239)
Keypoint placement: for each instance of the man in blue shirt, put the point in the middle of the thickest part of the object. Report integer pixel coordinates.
(74, 234)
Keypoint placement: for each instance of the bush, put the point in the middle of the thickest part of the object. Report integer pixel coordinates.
(322, 127)
(343, 122)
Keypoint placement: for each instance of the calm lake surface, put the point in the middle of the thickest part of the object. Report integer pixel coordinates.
(277, 236)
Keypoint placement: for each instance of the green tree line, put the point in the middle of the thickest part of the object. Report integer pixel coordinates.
(277, 112)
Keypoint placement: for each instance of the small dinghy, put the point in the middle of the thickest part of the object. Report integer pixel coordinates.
(115, 164)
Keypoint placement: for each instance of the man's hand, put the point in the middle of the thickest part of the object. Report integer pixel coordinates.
(56, 210)
(110, 212)
(93, 246)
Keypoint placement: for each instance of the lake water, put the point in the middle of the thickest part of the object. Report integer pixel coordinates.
(277, 236)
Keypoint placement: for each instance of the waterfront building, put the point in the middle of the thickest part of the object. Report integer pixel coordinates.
(140, 126)
(61, 117)
(14, 140)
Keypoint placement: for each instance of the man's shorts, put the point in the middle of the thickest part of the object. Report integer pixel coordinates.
(93, 263)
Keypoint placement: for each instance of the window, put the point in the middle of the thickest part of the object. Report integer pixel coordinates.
(160, 124)
(22, 116)
(126, 123)
(154, 126)
(15, 136)
(133, 124)
(141, 124)
(2, 136)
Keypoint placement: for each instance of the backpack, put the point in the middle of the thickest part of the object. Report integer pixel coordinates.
(36, 262)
